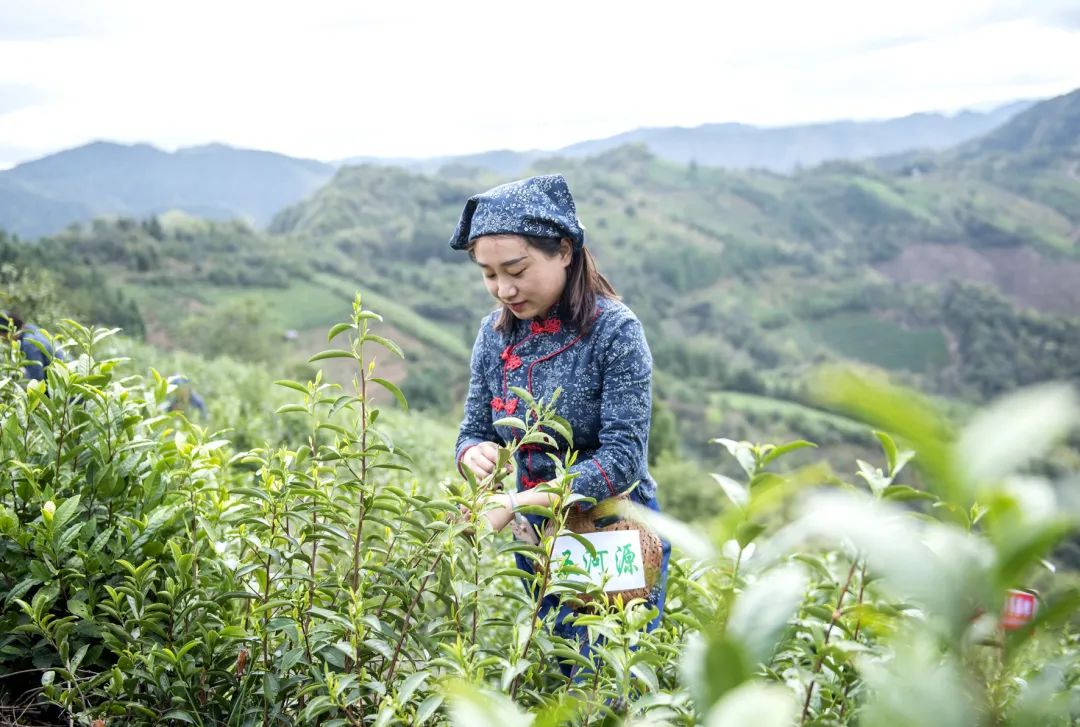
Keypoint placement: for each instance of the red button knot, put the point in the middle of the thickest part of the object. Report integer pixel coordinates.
(511, 361)
(507, 405)
(550, 325)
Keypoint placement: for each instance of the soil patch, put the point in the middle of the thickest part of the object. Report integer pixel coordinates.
(1021, 273)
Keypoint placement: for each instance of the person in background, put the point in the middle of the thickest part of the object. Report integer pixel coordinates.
(184, 397)
(34, 344)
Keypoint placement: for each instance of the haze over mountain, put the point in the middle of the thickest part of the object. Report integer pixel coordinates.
(221, 182)
(741, 146)
(103, 178)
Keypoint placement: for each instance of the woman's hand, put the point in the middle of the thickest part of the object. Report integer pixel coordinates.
(499, 517)
(482, 459)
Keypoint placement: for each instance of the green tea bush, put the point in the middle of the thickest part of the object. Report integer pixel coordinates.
(154, 572)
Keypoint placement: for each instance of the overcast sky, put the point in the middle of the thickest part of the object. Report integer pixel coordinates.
(329, 80)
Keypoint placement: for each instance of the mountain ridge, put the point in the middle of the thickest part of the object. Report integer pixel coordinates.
(107, 178)
(743, 146)
(955, 275)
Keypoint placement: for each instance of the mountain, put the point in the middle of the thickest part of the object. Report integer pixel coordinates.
(1053, 126)
(219, 182)
(215, 181)
(741, 146)
(784, 149)
(951, 274)
(954, 272)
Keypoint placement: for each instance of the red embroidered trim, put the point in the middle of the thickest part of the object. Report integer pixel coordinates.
(528, 483)
(508, 356)
(610, 486)
(461, 457)
(558, 323)
(545, 358)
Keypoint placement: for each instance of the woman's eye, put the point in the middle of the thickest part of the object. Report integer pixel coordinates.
(518, 274)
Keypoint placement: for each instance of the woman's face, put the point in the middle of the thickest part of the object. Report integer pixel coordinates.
(520, 276)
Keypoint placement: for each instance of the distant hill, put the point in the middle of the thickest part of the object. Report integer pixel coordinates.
(954, 271)
(214, 181)
(783, 149)
(220, 182)
(740, 146)
(741, 275)
(1053, 126)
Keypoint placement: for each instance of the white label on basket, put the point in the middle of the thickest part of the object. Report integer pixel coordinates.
(617, 559)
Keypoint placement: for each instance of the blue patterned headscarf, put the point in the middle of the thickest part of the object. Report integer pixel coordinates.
(537, 206)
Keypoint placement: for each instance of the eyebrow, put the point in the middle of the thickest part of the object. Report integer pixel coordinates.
(507, 263)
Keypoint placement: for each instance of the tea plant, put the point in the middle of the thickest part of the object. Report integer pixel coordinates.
(154, 573)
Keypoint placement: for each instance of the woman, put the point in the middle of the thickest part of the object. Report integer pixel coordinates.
(561, 325)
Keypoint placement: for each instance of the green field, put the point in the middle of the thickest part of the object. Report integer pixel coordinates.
(302, 305)
(879, 341)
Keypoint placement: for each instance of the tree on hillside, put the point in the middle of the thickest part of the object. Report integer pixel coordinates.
(238, 328)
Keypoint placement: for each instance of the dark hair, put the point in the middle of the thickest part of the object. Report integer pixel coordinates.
(584, 284)
(10, 322)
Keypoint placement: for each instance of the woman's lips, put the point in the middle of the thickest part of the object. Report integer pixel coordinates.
(517, 307)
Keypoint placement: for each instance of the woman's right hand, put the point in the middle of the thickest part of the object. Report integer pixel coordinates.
(482, 458)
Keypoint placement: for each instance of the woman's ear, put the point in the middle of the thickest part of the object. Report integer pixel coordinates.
(566, 252)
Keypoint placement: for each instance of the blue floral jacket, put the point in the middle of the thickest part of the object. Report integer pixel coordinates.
(606, 380)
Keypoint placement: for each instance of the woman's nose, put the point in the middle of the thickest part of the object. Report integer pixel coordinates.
(507, 290)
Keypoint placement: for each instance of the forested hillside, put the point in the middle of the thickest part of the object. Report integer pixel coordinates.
(947, 271)
(221, 182)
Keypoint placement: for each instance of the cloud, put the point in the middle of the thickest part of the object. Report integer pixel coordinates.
(1061, 14)
(1066, 18)
(34, 20)
(14, 97)
(337, 78)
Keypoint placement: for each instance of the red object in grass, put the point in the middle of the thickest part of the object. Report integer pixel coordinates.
(1020, 607)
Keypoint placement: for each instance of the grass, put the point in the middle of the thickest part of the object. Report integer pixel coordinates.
(786, 411)
(300, 306)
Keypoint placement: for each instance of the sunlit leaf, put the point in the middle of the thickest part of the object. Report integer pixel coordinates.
(1015, 430)
(734, 491)
(763, 610)
(470, 706)
(681, 536)
(761, 705)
